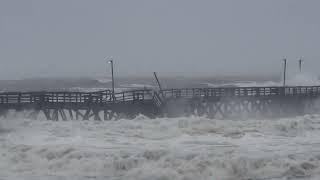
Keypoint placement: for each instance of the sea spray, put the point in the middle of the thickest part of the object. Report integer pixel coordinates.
(164, 148)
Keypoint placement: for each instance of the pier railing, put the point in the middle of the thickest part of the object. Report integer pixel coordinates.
(103, 97)
(223, 102)
(242, 92)
(106, 97)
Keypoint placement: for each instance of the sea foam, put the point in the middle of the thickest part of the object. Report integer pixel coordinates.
(161, 149)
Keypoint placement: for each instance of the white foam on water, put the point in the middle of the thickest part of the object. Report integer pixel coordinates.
(161, 149)
(104, 80)
(95, 89)
(300, 79)
(137, 85)
(246, 84)
(304, 79)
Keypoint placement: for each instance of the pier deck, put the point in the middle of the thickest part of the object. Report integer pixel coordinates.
(226, 102)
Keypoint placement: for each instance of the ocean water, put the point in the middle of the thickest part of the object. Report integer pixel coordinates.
(129, 83)
(184, 148)
(193, 148)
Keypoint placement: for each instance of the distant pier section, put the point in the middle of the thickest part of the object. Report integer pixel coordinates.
(220, 103)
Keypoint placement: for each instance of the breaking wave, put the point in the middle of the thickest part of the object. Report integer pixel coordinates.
(300, 79)
(161, 149)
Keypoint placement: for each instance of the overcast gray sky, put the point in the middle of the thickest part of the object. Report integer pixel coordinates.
(194, 37)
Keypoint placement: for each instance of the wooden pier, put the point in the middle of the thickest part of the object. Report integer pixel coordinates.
(223, 103)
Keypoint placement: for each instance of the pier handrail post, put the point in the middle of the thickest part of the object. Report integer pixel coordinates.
(19, 97)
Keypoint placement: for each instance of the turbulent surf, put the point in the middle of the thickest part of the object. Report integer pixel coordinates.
(161, 149)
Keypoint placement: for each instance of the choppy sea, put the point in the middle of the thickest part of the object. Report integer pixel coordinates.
(184, 148)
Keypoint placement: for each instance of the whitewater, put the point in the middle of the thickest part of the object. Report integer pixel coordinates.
(185, 148)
